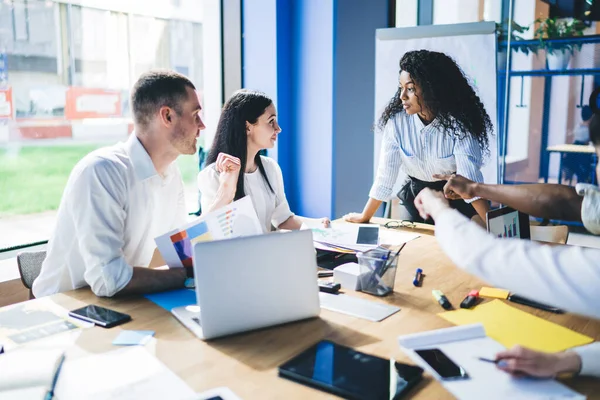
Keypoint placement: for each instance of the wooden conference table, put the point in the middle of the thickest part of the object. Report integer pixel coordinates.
(247, 363)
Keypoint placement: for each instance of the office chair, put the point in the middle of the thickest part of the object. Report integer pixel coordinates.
(30, 265)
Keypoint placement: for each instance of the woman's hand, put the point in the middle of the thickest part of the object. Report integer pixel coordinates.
(228, 168)
(326, 222)
(522, 361)
(357, 218)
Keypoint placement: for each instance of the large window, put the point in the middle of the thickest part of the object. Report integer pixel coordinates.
(65, 75)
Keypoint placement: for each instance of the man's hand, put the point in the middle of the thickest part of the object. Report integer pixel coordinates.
(522, 361)
(430, 203)
(357, 218)
(457, 187)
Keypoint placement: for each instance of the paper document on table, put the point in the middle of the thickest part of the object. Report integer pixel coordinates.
(396, 238)
(355, 237)
(464, 345)
(510, 326)
(130, 373)
(33, 320)
(25, 369)
(234, 220)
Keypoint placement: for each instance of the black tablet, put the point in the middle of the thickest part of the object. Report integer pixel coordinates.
(349, 373)
(506, 222)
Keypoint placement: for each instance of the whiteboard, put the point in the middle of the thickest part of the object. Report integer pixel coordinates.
(472, 46)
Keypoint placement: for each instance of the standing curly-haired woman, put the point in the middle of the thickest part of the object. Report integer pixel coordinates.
(434, 125)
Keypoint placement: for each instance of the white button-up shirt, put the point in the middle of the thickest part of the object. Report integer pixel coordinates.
(113, 206)
(271, 208)
(422, 151)
(563, 276)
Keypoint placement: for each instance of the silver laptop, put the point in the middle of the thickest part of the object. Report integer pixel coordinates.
(252, 282)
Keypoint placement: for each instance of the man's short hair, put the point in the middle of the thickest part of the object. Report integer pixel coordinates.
(155, 89)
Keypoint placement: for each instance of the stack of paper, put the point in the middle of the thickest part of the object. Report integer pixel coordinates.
(234, 220)
(464, 345)
(352, 238)
(346, 237)
(131, 373)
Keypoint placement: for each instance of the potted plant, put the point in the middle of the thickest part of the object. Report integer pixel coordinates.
(502, 32)
(558, 55)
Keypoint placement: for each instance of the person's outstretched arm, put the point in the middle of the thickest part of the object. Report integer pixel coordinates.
(387, 174)
(539, 200)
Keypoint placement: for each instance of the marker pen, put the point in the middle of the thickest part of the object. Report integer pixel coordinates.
(470, 300)
(440, 298)
(418, 277)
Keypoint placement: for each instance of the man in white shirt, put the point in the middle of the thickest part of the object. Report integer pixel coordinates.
(117, 199)
(564, 276)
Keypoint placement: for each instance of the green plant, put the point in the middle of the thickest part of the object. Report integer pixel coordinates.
(515, 29)
(552, 28)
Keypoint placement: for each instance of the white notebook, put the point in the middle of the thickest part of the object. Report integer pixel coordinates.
(463, 345)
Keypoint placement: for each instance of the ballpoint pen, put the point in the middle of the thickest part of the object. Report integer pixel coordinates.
(50, 393)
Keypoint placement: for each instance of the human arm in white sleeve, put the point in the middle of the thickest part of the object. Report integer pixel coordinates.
(99, 218)
(565, 276)
(388, 169)
(283, 217)
(469, 158)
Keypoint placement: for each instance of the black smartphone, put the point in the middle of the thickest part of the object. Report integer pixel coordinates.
(100, 316)
(368, 235)
(442, 364)
(349, 373)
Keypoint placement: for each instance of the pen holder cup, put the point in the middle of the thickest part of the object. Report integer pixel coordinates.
(377, 271)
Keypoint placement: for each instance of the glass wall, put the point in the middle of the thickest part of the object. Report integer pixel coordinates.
(66, 69)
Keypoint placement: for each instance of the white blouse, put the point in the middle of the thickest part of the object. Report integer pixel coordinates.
(422, 151)
(272, 208)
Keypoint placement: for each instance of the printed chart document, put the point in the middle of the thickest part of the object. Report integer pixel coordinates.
(463, 345)
(234, 220)
(30, 321)
(130, 373)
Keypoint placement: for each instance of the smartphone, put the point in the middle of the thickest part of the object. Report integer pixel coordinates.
(100, 316)
(442, 364)
(351, 374)
(368, 235)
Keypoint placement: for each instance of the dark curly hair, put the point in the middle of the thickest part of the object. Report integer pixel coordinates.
(446, 94)
(243, 106)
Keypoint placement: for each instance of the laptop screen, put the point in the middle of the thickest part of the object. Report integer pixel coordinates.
(506, 222)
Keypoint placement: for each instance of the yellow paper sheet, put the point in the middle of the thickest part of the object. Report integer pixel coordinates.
(511, 326)
(493, 292)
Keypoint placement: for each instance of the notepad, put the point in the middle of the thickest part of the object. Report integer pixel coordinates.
(511, 326)
(464, 345)
(357, 307)
(494, 293)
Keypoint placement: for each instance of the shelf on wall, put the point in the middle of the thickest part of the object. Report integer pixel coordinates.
(549, 72)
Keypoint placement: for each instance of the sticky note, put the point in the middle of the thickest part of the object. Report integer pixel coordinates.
(493, 292)
(511, 326)
(130, 338)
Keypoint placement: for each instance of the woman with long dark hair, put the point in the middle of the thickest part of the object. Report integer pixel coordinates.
(434, 125)
(235, 168)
